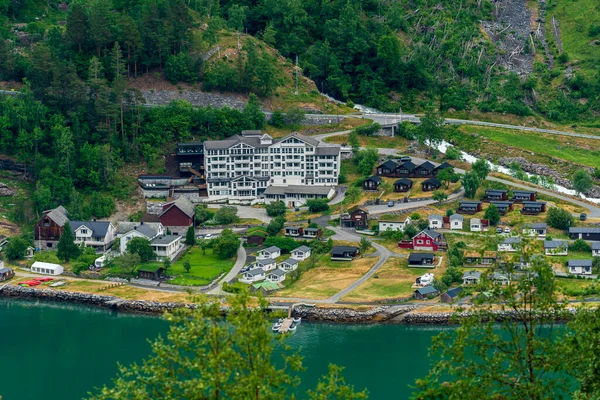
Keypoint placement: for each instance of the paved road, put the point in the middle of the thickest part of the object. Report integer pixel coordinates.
(239, 264)
(384, 208)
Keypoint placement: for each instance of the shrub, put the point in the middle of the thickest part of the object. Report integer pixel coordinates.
(226, 215)
(580, 245)
(276, 209)
(452, 153)
(317, 205)
(181, 68)
(278, 119)
(559, 218)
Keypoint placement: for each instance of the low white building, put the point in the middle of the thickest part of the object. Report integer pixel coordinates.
(596, 249)
(265, 264)
(436, 221)
(288, 265)
(500, 278)
(475, 225)
(166, 246)
(301, 253)
(456, 222)
(276, 276)
(296, 195)
(580, 267)
(393, 225)
(510, 244)
(537, 229)
(45, 268)
(269, 252)
(556, 247)
(253, 275)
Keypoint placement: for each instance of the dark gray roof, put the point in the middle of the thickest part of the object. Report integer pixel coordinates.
(472, 274)
(469, 203)
(98, 228)
(523, 192)
(5, 270)
(147, 228)
(539, 225)
(427, 165)
(265, 261)
(390, 164)
(584, 230)
(403, 181)
(165, 240)
(327, 150)
(298, 189)
(431, 233)
(343, 249)
(58, 215)
(580, 263)
(427, 290)
(444, 165)
(291, 261)
(495, 191)
(409, 165)
(276, 272)
(374, 178)
(553, 244)
(534, 203)
(501, 203)
(512, 240)
(221, 144)
(255, 271)
(272, 249)
(311, 229)
(432, 181)
(183, 204)
(419, 257)
(454, 292)
(303, 249)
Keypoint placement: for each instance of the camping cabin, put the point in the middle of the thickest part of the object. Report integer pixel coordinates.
(276, 276)
(456, 222)
(524, 195)
(253, 275)
(388, 169)
(421, 260)
(269, 252)
(425, 170)
(556, 247)
(503, 206)
(402, 185)
(537, 229)
(475, 225)
(301, 253)
(372, 183)
(406, 169)
(288, 265)
(591, 234)
(6, 273)
(356, 217)
(533, 207)
(426, 292)
(255, 239)
(511, 244)
(393, 225)
(580, 267)
(436, 221)
(489, 258)
(595, 249)
(469, 207)
(45, 268)
(500, 279)
(451, 295)
(471, 277)
(312, 233)
(442, 166)
(293, 231)
(266, 264)
(150, 272)
(344, 253)
(495, 194)
(431, 184)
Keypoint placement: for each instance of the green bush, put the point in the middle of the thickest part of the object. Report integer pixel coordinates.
(318, 205)
(181, 68)
(580, 245)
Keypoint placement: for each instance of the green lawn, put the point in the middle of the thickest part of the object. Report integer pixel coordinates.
(540, 143)
(205, 268)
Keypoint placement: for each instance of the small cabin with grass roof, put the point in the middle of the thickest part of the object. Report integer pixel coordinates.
(152, 272)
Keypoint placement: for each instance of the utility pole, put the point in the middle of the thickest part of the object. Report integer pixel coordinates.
(296, 74)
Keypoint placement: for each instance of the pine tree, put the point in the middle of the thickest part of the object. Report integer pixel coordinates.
(190, 236)
(67, 250)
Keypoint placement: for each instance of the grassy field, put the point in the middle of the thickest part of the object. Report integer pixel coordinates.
(205, 268)
(328, 278)
(394, 280)
(576, 150)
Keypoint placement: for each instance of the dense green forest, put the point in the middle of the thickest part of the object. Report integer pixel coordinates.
(78, 121)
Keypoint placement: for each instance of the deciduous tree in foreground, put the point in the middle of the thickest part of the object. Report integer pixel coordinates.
(205, 356)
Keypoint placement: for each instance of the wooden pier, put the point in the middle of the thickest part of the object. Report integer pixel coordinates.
(286, 325)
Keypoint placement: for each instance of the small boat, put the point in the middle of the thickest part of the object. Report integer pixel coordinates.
(57, 284)
(280, 321)
(292, 328)
(276, 327)
(297, 320)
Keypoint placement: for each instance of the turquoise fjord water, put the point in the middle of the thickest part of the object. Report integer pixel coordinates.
(57, 351)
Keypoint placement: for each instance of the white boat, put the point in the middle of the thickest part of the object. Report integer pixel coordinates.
(57, 284)
(276, 327)
(297, 320)
(292, 328)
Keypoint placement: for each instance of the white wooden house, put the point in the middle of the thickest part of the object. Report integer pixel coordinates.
(384, 225)
(475, 225)
(301, 253)
(580, 267)
(253, 275)
(266, 264)
(510, 244)
(276, 276)
(596, 249)
(456, 222)
(269, 252)
(436, 221)
(556, 247)
(288, 265)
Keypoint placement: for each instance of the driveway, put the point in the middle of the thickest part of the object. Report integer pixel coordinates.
(340, 192)
(249, 212)
(239, 264)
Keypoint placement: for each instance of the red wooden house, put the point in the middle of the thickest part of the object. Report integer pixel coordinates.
(49, 229)
(177, 215)
(426, 240)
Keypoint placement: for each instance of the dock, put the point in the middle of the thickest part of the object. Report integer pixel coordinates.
(285, 325)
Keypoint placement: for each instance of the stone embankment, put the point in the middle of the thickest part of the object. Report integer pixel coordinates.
(450, 317)
(346, 315)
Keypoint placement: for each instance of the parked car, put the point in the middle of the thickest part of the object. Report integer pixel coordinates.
(209, 236)
(507, 230)
(390, 203)
(498, 230)
(582, 216)
(405, 158)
